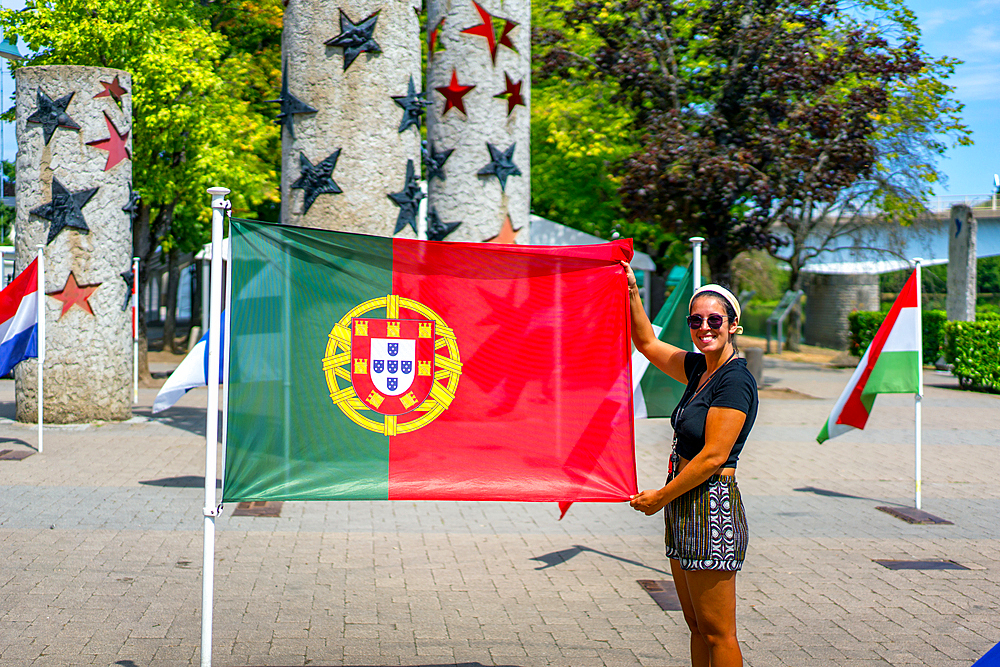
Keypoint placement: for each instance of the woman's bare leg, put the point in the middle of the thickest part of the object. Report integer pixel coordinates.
(713, 597)
(699, 649)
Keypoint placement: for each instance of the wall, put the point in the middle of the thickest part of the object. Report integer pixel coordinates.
(829, 300)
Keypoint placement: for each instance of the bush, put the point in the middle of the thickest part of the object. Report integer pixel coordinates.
(973, 349)
(865, 323)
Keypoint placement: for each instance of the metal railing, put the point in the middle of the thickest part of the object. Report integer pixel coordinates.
(943, 203)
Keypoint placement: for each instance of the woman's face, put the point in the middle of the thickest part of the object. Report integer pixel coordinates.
(705, 338)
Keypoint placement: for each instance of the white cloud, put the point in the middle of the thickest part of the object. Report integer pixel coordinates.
(976, 82)
(982, 40)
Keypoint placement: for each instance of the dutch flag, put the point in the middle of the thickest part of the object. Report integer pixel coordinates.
(19, 319)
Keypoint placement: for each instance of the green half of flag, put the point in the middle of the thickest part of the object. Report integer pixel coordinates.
(660, 392)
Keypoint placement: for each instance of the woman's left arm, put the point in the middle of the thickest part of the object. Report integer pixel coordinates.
(722, 427)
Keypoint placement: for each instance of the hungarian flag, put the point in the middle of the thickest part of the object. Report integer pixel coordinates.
(655, 393)
(371, 368)
(890, 365)
(19, 319)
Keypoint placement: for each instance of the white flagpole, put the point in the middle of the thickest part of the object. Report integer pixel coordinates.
(41, 344)
(919, 396)
(212, 426)
(696, 242)
(135, 330)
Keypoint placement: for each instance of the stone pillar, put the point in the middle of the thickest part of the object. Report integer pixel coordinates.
(351, 120)
(74, 172)
(961, 302)
(478, 125)
(830, 298)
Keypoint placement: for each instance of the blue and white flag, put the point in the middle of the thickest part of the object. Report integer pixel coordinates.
(19, 319)
(193, 372)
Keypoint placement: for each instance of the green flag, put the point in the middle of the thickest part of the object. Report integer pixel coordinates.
(657, 394)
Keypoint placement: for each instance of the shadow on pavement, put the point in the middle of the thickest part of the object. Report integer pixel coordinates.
(838, 494)
(15, 441)
(183, 481)
(8, 409)
(558, 557)
(181, 417)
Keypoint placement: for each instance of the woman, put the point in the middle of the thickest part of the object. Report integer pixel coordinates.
(706, 530)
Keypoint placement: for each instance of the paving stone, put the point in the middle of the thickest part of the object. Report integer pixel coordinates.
(117, 576)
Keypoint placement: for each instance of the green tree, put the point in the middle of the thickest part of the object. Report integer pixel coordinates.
(578, 134)
(911, 129)
(197, 116)
(7, 212)
(745, 110)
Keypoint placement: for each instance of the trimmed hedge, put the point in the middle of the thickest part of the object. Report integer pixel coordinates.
(973, 349)
(864, 324)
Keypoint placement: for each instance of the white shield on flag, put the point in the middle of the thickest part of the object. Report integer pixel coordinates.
(393, 364)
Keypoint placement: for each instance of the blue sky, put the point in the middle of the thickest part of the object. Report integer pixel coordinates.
(964, 29)
(970, 31)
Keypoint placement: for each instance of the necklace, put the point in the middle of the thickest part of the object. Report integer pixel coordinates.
(704, 383)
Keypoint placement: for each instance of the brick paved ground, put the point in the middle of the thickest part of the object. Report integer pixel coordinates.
(98, 567)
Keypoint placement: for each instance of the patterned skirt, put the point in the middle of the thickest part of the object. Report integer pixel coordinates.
(706, 528)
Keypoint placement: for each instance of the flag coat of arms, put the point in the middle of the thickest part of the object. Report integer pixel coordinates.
(890, 365)
(19, 319)
(365, 367)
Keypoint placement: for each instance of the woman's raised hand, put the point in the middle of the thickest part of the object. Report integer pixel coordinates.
(628, 273)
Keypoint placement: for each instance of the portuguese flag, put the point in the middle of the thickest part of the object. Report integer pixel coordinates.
(890, 365)
(364, 367)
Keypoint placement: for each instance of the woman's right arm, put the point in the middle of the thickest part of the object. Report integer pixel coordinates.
(666, 357)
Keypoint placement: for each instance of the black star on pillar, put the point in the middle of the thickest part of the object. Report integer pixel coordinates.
(317, 180)
(437, 230)
(408, 200)
(413, 104)
(129, 279)
(355, 38)
(52, 114)
(290, 105)
(65, 209)
(501, 164)
(132, 206)
(435, 160)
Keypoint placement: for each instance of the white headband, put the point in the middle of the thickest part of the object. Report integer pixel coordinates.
(724, 293)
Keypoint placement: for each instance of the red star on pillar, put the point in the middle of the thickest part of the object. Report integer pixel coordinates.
(488, 30)
(511, 93)
(73, 294)
(507, 233)
(112, 89)
(453, 94)
(432, 38)
(114, 145)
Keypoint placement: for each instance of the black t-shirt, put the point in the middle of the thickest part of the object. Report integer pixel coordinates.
(732, 386)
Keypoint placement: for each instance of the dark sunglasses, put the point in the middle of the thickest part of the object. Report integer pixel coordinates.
(714, 321)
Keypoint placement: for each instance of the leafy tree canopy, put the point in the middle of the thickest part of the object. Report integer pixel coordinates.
(579, 132)
(197, 113)
(747, 112)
